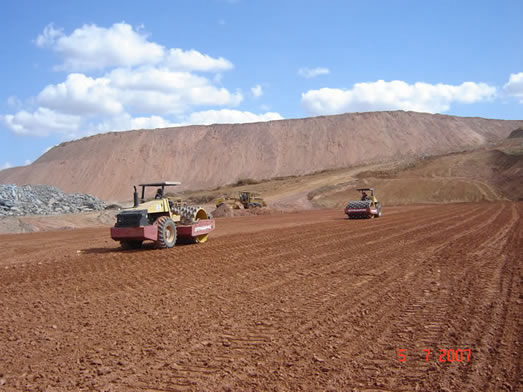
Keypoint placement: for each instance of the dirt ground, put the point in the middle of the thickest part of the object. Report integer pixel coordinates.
(301, 301)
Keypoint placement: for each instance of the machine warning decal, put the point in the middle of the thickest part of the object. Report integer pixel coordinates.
(201, 228)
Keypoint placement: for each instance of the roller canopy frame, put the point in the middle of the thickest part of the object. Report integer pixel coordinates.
(366, 189)
(161, 184)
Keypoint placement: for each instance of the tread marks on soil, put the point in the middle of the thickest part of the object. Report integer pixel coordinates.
(308, 307)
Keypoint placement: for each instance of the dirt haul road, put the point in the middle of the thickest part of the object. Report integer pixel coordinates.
(303, 301)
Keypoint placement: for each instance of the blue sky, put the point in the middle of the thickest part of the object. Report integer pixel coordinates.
(71, 69)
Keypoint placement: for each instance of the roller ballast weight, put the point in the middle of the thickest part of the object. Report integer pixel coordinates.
(365, 208)
(164, 220)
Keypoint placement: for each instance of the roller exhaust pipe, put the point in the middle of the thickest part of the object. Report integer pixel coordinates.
(135, 195)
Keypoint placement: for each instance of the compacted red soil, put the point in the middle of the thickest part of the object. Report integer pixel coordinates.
(302, 301)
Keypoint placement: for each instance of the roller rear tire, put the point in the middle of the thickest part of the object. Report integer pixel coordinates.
(166, 232)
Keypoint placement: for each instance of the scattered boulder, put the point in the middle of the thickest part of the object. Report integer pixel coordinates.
(21, 200)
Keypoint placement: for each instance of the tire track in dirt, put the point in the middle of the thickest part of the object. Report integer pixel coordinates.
(499, 275)
(348, 337)
(264, 337)
(433, 308)
(313, 306)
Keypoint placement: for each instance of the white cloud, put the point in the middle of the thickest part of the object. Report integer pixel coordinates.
(5, 165)
(228, 116)
(92, 48)
(381, 95)
(142, 85)
(125, 122)
(48, 36)
(162, 91)
(42, 122)
(309, 73)
(86, 104)
(150, 78)
(27, 162)
(514, 86)
(107, 100)
(81, 95)
(192, 60)
(257, 91)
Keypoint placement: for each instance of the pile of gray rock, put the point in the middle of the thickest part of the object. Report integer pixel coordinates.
(44, 200)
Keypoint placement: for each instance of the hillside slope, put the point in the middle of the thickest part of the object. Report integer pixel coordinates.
(488, 174)
(203, 157)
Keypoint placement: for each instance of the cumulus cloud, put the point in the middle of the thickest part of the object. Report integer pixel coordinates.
(152, 92)
(192, 60)
(42, 122)
(228, 116)
(381, 95)
(49, 36)
(81, 95)
(150, 89)
(137, 83)
(257, 91)
(91, 47)
(514, 86)
(309, 73)
(125, 122)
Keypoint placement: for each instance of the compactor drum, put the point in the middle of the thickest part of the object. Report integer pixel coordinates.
(365, 208)
(164, 220)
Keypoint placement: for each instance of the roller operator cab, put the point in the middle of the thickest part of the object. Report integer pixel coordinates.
(367, 207)
(164, 220)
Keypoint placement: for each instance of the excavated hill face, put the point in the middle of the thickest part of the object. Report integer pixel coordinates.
(516, 133)
(203, 157)
(486, 174)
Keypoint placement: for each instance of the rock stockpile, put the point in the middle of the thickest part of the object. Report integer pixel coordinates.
(44, 200)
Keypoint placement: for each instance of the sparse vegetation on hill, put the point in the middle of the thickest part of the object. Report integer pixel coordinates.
(245, 181)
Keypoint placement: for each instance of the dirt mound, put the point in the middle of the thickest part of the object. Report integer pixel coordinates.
(204, 157)
(222, 211)
(306, 302)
